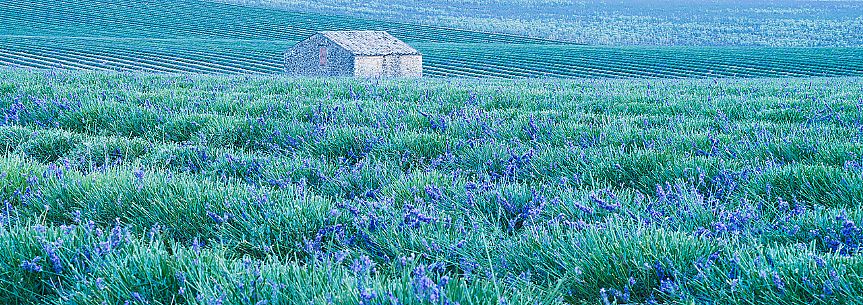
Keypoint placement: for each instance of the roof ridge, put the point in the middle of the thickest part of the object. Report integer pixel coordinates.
(369, 42)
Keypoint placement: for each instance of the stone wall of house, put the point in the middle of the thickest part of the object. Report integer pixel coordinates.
(368, 66)
(304, 59)
(388, 66)
(391, 66)
(411, 66)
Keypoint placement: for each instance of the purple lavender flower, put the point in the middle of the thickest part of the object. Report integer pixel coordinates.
(366, 295)
(12, 114)
(808, 283)
(51, 251)
(620, 296)
(470, 198)
(436, 123)
(139, 173)
(777, 281)
(585, 209)
(154, 231)
(100, 284)
(118, 235)
(140, 299)
(424, 287)
(531, 129)
(362, 265)
(854, 165)
(32, 265)
(393, 299)
(40, 229)
(53, 171)
(604, 296)
(340, 256)
(820, 262)
(139, 177)
(372, 194)
(433, 192)
(535, 207)
(603, 204)
(76, 216)
(196, 245)
(667, 286)
(413, 217)
(334, 213)
(219, 219)
(828, 289)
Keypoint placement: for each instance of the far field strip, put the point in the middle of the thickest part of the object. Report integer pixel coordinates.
(496, 60)
(206, 37)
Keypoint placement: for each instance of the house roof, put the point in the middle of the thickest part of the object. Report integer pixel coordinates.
(370, 43)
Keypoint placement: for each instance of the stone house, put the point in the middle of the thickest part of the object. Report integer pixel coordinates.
(353, 53)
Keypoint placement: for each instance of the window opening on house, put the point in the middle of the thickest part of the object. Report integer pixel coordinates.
(323, 56)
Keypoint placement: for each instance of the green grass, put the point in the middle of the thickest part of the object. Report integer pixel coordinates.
(194, 189)
(205, 37)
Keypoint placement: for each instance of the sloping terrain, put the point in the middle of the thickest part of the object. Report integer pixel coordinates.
(775, 23)
(207, 37)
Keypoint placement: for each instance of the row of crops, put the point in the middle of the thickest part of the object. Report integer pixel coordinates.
(616, 62)
(197, 19)
(207, 37)
(441, 59)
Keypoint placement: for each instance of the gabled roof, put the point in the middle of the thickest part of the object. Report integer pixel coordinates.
(370, 43)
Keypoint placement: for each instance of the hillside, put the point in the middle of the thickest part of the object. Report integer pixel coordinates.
(194, 189)
(775, 23)
(208, 37)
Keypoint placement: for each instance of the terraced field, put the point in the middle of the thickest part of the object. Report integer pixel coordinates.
(441, 59)
(206, 37)
(195, 19)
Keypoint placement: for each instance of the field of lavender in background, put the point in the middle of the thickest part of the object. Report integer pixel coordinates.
(194, 189)
(777, 23)
(196, 36)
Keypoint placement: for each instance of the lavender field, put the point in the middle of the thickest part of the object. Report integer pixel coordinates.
(776, 23)
(135, 188)
(199, 36)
